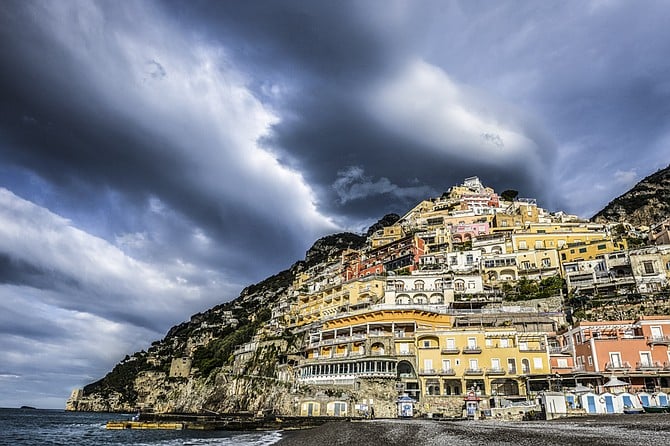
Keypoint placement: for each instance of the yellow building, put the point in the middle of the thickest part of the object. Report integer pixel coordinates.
(488, 360)
(590, 249)
(386, 235)
(520, 215)
(336, 299)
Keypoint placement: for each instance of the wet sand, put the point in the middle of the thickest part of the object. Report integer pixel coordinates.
(633, 430)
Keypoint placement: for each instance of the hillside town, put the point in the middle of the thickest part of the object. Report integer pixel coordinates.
(472, 304)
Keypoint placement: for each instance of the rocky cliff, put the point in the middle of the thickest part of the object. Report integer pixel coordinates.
(191, 369)
(648, 202)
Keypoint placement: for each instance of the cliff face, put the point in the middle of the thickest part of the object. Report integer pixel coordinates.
(191, 369)
(648, 202)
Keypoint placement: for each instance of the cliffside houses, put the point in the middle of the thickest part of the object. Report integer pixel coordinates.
(419, 313)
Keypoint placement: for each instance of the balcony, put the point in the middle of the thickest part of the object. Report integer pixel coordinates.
(451, 351)
(448, 372)
(474, 372)
(427, 372)
(536, 349)
(472, 350)
(646, 365)
(497, 371)
(617, 366)
(658, 340)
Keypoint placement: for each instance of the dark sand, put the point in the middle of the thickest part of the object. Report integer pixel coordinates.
(631, 430)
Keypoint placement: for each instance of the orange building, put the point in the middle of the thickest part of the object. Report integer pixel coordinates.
(634, 351)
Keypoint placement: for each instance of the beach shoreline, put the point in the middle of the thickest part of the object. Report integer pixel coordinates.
(592, 431)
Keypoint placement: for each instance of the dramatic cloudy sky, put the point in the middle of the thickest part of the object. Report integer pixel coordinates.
(156, 157)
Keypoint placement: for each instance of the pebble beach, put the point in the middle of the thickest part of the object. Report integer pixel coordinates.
(631, 430)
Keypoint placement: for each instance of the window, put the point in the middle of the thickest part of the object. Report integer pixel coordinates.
(525, 264)
(451, 344)
(615, 359)
(645, 359)
(426, 343)
(656, 332)
(472, 343)
(562, 363)
(428, 364)
(403, 348)
(648, 267)
(590, 360)
(495, 363)
(539, 244)
(418, 285)
(523, 244)
(474, 364)
(511, 365)
(469, 259)
(525, 366)
(446, 364)
(582, 250)
(601, 247)
(504, 342)
(537, 363)
(546, 263)
(523, 345)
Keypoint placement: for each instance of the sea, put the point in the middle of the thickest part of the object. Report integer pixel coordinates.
(33, 427)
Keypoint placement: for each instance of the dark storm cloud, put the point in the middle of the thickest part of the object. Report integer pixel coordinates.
(164, 154)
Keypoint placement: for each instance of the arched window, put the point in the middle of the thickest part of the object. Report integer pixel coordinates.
(436, 298)
(402, 299)
(418, 285)
(420, 299)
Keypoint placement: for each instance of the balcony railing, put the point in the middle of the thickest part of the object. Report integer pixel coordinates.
(495, 371)
(662, 340)
(471, 349)
(611, 366)
(448, 372)
(536, 348)
(427, 372)
(645, 365)
(474, 372)
(451, 351)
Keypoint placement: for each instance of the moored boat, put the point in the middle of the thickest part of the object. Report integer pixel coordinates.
(656, 409)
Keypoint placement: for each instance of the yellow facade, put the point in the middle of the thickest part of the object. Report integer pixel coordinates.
(388, 234)
(591, 249)
(336, 299)
(492, 361)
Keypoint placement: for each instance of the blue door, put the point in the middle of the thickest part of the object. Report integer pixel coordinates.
(644, 399)
(591, 402)
(662, 400)
(570, 399)
(627, 401)
(609, 404)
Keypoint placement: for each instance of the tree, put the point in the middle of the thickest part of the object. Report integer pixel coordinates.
(509, 194)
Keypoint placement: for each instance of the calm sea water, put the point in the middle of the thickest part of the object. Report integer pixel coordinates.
(57, 427)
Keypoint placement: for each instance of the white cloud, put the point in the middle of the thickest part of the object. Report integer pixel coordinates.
(352, 184)
(424, 104)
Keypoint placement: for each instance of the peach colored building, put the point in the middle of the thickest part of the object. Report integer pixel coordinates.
(634, 351)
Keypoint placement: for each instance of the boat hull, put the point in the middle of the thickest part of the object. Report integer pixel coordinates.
(656, 409)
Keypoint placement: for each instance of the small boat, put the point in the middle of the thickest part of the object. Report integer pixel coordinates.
(656, 409)
(632, 410)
